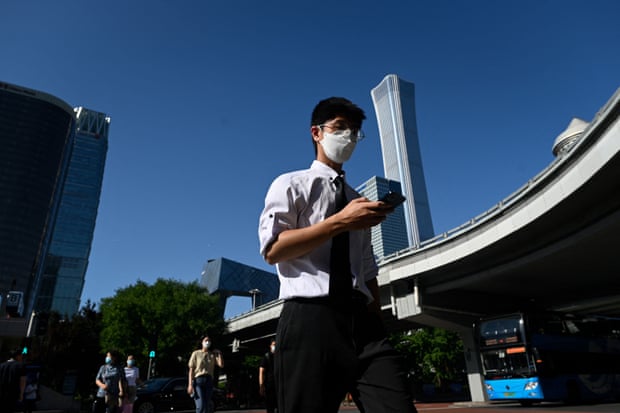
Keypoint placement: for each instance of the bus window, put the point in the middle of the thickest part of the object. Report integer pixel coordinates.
(506, 363)
(501, 331)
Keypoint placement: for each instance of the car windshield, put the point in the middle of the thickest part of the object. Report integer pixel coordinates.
(154, 384)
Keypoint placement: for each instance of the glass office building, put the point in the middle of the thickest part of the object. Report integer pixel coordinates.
(391, 235)
(230, 278)
(36, 136)
(394, 102)
(66, 262)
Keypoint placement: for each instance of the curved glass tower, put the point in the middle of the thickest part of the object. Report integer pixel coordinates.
(36, 133)
(394, 102)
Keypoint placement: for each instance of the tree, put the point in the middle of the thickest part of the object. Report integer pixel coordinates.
(433, 355)
(167, 317)
(69, 351)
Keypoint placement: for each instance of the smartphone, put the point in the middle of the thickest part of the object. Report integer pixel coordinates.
(393, 198)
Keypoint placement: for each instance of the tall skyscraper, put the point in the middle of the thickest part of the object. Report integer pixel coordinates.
(391, 235)
(36, 136)
(66, 262)
(394, 102)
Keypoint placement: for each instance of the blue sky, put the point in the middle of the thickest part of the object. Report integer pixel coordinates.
(210, 100)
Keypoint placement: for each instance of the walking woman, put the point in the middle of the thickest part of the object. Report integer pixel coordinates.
(132, 373)
(111, 382)
(200, 379)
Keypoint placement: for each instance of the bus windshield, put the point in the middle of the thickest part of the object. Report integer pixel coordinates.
(508, 362)
(501, 331)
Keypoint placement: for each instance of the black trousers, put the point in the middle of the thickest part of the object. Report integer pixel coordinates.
(271, 401)
(326, 350)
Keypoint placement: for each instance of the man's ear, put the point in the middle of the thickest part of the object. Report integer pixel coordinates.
(315, 131)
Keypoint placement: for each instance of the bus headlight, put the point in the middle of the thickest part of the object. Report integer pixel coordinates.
(531, 385)
(489, 387)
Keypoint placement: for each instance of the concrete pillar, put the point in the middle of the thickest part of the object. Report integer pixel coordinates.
(474, 367)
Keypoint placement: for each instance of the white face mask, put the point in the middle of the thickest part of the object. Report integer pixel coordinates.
(339, 146)
(273, 348)
(206, 344)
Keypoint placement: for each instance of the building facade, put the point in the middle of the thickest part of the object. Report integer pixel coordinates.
(36, 136)
(391, 235)
(66, 262)
(230, 278)
(394, 103)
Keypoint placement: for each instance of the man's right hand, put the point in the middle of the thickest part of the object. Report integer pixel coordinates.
(361, 213)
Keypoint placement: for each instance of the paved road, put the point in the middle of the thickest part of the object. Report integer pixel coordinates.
(467, 407)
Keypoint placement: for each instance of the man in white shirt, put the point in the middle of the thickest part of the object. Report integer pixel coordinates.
(330, 335)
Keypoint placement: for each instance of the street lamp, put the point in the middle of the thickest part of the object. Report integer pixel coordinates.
(254, 292)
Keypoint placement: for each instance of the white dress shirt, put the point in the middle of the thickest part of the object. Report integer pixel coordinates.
(299, 199)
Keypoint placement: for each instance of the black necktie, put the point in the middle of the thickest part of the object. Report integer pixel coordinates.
(339, 265)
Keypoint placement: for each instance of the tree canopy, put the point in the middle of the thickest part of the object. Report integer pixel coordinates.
(167, 317)
(434, 355)
(69, 348)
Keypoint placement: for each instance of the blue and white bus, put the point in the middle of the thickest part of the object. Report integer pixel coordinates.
(539, 357)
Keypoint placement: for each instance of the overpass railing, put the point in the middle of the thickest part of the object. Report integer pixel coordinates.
(532, 185)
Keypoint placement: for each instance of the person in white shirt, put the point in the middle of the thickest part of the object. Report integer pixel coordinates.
(132, 373)
(330, 335)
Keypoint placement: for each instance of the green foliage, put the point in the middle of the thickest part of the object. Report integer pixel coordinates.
(433, 355)
(168, 317)
(70, 348)
(252, 362)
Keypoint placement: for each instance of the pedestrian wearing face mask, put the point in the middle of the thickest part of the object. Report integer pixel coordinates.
(266, 380)
(132, 373)
(112, 384)
(200, 378)
(316, 229)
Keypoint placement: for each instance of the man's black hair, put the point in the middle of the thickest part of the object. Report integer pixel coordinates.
(336, 106)
(333, 107)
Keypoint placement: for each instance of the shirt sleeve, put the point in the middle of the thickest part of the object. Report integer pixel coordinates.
(192, 361)
(279, 214)
(100, 375)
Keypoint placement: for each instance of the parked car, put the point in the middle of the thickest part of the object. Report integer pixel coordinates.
(168, 394)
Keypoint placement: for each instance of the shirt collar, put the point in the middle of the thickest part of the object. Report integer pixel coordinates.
(320, 166)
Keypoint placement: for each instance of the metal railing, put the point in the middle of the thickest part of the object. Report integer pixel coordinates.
(498, 209)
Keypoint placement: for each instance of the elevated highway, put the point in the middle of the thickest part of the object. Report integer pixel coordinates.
(551, 245)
